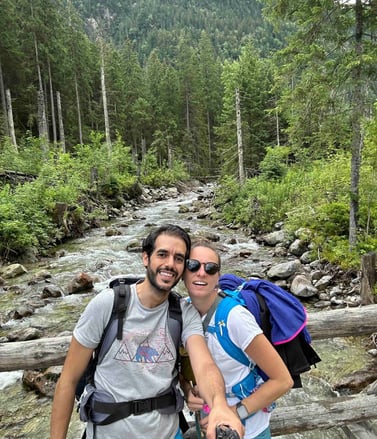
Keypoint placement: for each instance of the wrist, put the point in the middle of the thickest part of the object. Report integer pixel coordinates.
(242, 411)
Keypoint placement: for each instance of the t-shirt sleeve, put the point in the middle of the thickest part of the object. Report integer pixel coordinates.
(191, 321)
(92, 322)
(242, 327)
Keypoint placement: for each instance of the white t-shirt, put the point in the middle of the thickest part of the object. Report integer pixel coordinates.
(141, 365)
(242, 328)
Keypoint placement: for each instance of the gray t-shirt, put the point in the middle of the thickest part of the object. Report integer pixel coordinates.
(141, 365)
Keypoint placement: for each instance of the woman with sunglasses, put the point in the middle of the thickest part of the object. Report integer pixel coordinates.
(253, 402)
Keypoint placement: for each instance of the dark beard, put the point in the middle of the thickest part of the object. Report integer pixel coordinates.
(151, 276)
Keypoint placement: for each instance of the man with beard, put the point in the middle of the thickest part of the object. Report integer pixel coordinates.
(142, 365)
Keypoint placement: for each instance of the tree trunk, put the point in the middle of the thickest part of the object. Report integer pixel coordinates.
(357, 140)
(60, 121)
(3, 102)
(241, 171)
(42, 120)
(170, 153)
(47, 352)
(12, 133)
(78, 110)
(53, 121)
(320, 415)
(209, 141)
(104, 100)
(368, 278)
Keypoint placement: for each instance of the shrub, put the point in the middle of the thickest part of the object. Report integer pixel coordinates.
(275, 163)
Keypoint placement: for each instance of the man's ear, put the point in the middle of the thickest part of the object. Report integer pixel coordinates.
(145, 259)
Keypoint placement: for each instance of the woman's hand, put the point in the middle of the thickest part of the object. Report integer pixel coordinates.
(193, 400)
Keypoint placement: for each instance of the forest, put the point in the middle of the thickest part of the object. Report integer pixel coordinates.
(275, 100)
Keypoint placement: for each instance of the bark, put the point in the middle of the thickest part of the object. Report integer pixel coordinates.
(78, 110)
(241, 172)
(47, 352)
(12, 133)
(60, 120)
(104, 100)
(42, 118)
(357, 140)
(53, 121)
(368, 278)
(3, 101)
(321, 415)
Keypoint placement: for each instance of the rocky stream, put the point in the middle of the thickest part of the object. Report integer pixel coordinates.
(44, 298)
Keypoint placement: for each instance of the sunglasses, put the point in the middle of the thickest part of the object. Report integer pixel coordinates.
(194, 265)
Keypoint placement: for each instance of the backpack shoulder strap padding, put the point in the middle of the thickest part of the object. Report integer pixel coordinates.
(222, 333)
(175, 318)
(114, 327)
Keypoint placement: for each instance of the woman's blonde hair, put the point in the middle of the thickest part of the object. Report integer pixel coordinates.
(202, 242)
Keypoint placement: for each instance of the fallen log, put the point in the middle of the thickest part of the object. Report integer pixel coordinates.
(322, 415)
(33, 354)
(345, 322)
(46, 352)
(318, 415)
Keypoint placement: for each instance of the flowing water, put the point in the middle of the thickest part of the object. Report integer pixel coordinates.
(23, 414)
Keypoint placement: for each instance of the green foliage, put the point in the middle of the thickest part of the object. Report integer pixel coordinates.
(23, 220)
(336, 250)
(332, 219)
(111, 172)
(315, 197)
(27, 213)
(275, 163)
(26, 158)
(152, 174)
(258, 203)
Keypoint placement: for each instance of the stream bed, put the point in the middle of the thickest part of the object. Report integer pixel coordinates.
(24, 414)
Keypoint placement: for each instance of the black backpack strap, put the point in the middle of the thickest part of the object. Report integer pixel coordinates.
(121, 410)
(175, 318)
(122, 295)
(114, 327)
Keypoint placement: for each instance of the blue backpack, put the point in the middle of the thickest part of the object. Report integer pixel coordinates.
(281, 316)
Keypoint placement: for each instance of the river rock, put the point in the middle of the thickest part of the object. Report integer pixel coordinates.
(323, 282)
(25, 334)
(112, 231)
(42, 382)
(209, 236)
(358, 380)
(301, 286)
(51, 291)
(23, 311)
(322, 304)
(40, 275)
(284, 270)
(306, 257)
(276, 237)
(81, 282)
(134, 246)
(13, 270)
(298, 247)
(280, 251)
(183, 208)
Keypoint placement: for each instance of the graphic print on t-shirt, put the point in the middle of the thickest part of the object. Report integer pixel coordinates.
(154, 348)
